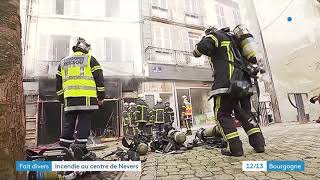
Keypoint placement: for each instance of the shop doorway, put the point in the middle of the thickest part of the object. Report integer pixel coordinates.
(180, 93)
(202, 109)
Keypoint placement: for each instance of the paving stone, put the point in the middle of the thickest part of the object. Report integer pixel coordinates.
(171, 177)
(223, 177)
(278, 175)
(200, 162)
(203, 174)
(148, 177)
(162, 173)
(194, 178)
(172, 170)
(186, 172)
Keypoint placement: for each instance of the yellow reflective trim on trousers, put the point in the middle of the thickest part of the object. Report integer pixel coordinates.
(253, 130)
(80, 93)
(232, 135)
(60, 92)
(59, 73)
(230, 56)
(214, 39)
(217, 107)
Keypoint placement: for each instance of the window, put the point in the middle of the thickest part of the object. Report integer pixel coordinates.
(220, 16)
(118, 50)
(162, 37)
(60, 7)
(192, 8)
(59, 47)
(160, 4)
(112, 8)
(67, 7)
(237, 17)
(193, 40)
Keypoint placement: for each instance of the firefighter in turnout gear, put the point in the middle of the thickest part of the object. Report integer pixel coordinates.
(80, 86)
(187, 114)
(141, 113)
(168, 114)
(125, 118)
(132, 128)
(150, 123)
(159, 115)
(225, 50)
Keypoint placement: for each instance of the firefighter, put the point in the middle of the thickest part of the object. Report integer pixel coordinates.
(125, 118)
(132, 128)
(187, 114)
(150, 123)
(159, 115)
(224, 49)
(168, 114)
(80, 86)
(141, 113)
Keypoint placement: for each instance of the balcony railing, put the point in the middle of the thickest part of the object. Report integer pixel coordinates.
(175, 57)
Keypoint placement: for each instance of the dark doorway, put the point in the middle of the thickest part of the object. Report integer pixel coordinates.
(49, 124)
(105, 121)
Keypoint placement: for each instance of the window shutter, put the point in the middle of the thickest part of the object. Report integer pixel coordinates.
(157, 36)
(164, 4)
(185, 40)
(166, 38)
(108, 48)
(68, 7)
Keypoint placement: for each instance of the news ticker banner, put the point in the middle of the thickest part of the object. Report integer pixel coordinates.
(280, 166)
(78, 166)
(136, 166)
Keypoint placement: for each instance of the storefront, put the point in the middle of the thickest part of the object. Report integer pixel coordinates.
(172, 91)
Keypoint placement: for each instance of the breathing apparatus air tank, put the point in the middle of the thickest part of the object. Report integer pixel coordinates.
(247, 43)
(142, 148)
(208, 133)
(177, 136)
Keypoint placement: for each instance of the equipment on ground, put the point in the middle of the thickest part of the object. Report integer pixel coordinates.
(168, 140)
(210, 137)
(56, 154)
(139, 143)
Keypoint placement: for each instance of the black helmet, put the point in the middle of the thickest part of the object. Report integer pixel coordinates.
(167, 103)
(81, 45)
(210, 30)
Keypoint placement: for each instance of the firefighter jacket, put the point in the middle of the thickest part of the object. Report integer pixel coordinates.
(125, 117)
(168, 115)
(151, 116)
(159, 113)
(141, 114)
(132, 116)
(79, 82)
(219, 46)
(187, 110)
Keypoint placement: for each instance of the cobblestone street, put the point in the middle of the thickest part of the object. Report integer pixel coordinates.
(284, 142)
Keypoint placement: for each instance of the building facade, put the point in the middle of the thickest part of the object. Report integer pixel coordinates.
(171, 29)
(144, 46)
(50, 28)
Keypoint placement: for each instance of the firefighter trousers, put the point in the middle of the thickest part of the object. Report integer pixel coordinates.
(79, 121)
(224, 105)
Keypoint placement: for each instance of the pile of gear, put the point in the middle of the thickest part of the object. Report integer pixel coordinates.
(150, 127)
